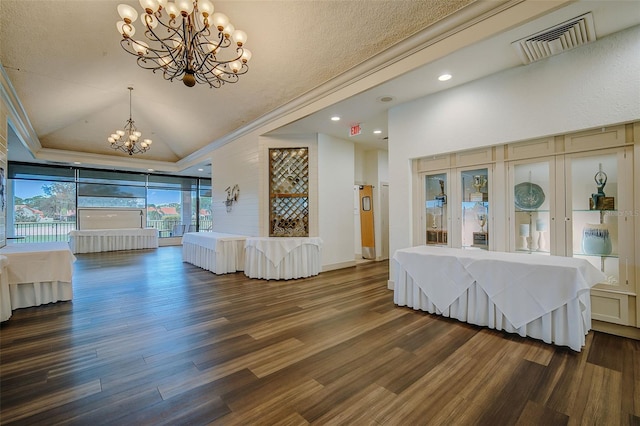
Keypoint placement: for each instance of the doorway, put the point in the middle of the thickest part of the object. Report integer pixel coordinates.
(367, 229)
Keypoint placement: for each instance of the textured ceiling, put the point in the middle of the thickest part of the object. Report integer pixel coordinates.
(71, 75)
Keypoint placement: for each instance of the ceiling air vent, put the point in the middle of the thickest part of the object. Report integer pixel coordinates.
(557, 39)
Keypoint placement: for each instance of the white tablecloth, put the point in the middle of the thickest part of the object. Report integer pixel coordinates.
(5, 295)
(96, 240)
(217, 252)
(545, 297)
(281, 258)
(39, 273)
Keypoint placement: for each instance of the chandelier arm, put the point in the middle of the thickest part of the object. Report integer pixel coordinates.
(221, 70)
(211, 80)
(160, 55)
(200, 37)
(224, 75)
(165, 57)
(205, 57)
(187, 30)
(171, 29)
(211, 64)
(171, 70)
(170, 76)
(148, 61)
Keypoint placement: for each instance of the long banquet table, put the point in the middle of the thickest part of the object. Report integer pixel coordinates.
(282, 258)
(217, 252)
(97, 240)
(544, 297)
(39, 273)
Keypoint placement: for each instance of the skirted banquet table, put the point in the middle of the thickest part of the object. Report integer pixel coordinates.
(217, 252)
(97, 240)
(544, 297)
(38, 273)
(282, 258)
(5, 295)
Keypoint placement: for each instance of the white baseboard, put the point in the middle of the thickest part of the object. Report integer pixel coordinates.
(170, 241)
(340, 265)
(618, 330)
(391, 284)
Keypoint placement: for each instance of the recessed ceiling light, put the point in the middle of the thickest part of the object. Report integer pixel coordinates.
(444, 77)
(377, 132)
(200, 170)
(385, 98)
(76, 162)
(150, 170)
(335, 118)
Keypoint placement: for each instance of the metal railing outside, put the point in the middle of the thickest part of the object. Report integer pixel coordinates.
(40, 232)
(175, 228)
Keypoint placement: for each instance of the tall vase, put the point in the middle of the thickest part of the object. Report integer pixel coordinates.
(596, 239)
(541, 227)
(524, 236)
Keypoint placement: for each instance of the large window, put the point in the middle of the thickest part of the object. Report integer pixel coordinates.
(170, 204)
(205, 219)
(44, 199)
(98, 188)
(41, 203)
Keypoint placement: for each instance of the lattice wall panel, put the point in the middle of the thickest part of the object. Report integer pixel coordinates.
(289, 192)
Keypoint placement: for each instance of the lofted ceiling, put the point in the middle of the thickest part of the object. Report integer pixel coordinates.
(70, 74)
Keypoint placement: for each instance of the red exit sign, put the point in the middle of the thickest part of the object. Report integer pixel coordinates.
(355, 130)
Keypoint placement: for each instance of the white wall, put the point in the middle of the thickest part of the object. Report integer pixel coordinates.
(383, 166)
(336, 168)
(588, 87)
(358, 176)
(357, 233)
(382, 161)
(232, 164)
(358, 179)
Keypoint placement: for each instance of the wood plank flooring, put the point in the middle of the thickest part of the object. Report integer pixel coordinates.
(150, 340)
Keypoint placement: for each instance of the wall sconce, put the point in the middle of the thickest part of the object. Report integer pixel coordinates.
(232, 196)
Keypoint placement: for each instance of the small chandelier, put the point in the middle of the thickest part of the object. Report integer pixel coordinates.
(127, 140)
(182, 45)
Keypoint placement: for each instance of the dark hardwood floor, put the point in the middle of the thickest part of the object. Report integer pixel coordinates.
(150, 340)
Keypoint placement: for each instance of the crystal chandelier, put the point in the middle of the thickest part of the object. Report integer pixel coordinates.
(127, 140)
(181, 43)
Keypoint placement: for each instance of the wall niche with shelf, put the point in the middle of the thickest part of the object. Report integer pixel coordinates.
(288, 192)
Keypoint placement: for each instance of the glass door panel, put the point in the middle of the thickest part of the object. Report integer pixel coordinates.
(532, 203)
(594, 199)
(475, 208)
(436, 209)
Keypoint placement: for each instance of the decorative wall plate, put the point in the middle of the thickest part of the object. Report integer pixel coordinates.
(528, 196)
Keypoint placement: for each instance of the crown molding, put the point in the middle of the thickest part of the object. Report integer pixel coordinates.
(17, 115)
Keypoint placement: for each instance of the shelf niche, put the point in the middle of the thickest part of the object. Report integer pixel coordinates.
(288, 192)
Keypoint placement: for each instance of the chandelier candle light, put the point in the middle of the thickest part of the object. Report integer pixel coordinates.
(127, 140)
(186, 41)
